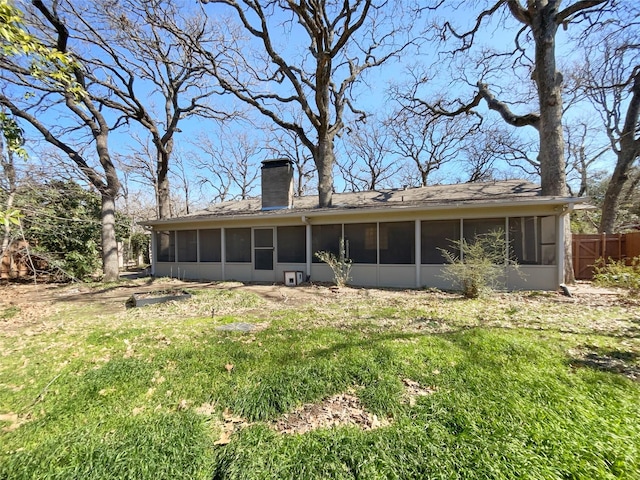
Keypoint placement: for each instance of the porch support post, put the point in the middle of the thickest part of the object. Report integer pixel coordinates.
(308, 246)
(560, 245)
(418, 255)
(154, 247)
(198, 245)
(223, 251)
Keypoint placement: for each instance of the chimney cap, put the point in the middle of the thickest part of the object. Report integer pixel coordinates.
(276, 162)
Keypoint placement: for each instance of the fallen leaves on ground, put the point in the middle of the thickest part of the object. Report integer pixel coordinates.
(14, 421)
(339, 410)
(414, 390)
(231, 424)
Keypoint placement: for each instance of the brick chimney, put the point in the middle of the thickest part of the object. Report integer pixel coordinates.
(277, 184)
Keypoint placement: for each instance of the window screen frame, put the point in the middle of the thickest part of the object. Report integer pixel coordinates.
(238, 247)
(187, 246)
(429, 250)
(291, 244)
(397, 243)
(170, 256)
(214, 253)
(359, 238)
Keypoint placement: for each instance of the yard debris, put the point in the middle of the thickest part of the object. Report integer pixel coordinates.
(242, 327)
(414, 389)
(339, 410)
(158, 296)
(129, 352)
(613, 361)
(206, 409)
(229, 367)
(231, 424)
(14, 420)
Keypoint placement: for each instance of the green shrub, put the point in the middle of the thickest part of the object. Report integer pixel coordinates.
(140, 246)
(477, 267)
(340, 265)
(618, 274)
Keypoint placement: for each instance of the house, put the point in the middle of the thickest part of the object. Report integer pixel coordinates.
(393, 236)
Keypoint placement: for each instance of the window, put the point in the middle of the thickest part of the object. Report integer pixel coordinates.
(238, 245)
(361, 242)
(325, 238)
(548, 240)
(533, 240)
(166, 246)
(435, 235)
(292, 246)
(263, 248)
(187, 245)
(481, 226)
(523, 234)
(210, 245)
(397, 243)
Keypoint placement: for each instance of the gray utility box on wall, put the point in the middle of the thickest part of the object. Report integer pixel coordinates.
(292, 278)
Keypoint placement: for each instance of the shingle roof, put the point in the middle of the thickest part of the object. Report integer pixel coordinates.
(465, 192)
(512, 191)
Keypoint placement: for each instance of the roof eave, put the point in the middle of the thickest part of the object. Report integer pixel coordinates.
(325, 212)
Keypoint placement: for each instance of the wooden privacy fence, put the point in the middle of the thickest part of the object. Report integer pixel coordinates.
(587, 249)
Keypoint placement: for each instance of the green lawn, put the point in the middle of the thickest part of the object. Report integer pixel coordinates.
(516, 386)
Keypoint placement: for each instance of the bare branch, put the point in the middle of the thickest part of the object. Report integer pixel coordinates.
(578, 7)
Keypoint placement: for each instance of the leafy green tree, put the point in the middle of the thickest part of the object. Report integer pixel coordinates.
(62, 222)
(41, 74)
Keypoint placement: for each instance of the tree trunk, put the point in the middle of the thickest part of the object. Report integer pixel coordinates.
(164, 200)
(108, 193)
(162, 176)
(614, 189)
(549, 85)
(629, 151)
(10, 176)
(324, 160)
(110, 264)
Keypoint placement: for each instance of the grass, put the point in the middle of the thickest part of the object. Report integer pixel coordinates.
(145, 393)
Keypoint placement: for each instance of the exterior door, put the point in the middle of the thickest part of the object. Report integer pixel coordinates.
(263, 250)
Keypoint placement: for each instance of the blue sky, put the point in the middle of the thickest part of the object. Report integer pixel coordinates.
(371, 94)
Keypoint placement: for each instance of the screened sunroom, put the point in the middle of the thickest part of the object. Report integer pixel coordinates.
(395, 238)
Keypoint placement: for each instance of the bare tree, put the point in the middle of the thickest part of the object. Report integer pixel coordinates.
(230, 165)
(429, 142)
(138, 57)
(283, 143)
(185, 182)
(139, 163)
(539, 22)
(327, 47)
(367, 163)
(484, 151)
(611, 79)
(89, 128)
(584, 150)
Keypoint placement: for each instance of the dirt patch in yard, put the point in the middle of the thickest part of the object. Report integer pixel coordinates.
(343, 409)
(24, 305)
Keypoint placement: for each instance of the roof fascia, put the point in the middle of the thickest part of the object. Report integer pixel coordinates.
(310, 214)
